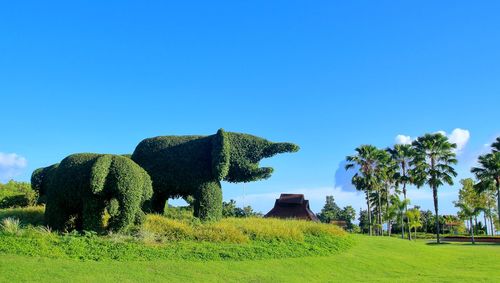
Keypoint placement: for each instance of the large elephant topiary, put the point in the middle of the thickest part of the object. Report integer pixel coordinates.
(84, 186)
(194, 166)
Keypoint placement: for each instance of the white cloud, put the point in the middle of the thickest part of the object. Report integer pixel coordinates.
(11, 165)
(460, 137)
(402, 139)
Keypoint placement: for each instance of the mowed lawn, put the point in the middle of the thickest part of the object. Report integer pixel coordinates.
(371, 259)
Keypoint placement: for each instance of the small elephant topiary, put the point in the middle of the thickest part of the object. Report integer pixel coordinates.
(194, 166)
(84, 186)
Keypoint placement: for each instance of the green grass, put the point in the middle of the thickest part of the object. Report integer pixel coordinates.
(163, 238)
(371, 259)
(244, 250)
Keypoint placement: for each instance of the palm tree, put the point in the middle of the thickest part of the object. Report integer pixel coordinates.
(366, 159)
(468, 211)
(403, 154)
(496, 145)
(488, 173)
(434, 156)
(386, 175)
(414, 220)
(401, 208)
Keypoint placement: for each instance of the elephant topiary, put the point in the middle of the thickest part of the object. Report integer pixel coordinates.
(194, 166)
(84, 186)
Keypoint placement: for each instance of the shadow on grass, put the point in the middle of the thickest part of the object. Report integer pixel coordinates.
(436, 244)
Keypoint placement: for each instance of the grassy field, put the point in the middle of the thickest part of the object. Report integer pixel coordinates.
(369, 260)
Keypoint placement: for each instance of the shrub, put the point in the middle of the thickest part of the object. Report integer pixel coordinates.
(194, 166)
(10, 226)
(17, 194)
(27, 215)
(83, 187)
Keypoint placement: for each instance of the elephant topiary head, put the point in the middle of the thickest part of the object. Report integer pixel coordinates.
(40, 181)
(236, 156)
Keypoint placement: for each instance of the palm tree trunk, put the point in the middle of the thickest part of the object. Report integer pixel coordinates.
(387, 196)
(389, 228)
(475, 222)
(369, 214)
(436, 209)
(485, 224)
(402, 227)
(380, 214)
(498, 197)
(472, 231)
(406, 210)
(492, 230)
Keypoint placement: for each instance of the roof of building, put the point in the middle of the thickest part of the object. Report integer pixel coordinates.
(292, 206)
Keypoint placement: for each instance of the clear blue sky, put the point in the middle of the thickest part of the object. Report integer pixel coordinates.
(88, 76)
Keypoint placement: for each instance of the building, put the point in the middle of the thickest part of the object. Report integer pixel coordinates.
(292, 206)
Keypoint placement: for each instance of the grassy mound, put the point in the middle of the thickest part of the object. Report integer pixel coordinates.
(163, 238)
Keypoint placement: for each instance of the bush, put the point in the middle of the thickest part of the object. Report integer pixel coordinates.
(17, 194)
(10, 226)
(194, 166)
(33, 215)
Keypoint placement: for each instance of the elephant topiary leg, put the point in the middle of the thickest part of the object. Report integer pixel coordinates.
(208, 203)
(55, 216)
(93, 211)
(158, 202)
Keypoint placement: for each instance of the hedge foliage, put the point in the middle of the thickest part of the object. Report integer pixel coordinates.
(84, 187)
(17, 194)
(194, 166)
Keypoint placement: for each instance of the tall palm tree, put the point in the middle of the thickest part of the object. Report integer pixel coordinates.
(488, 173)
(403, 154)
(366, 158)
(434, 155)
(386, 175)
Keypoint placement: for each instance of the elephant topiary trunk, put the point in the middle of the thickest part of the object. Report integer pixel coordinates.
(194, 166)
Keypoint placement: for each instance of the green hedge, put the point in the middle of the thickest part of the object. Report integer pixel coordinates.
(17, 194)
(83, 187)
(194, 166)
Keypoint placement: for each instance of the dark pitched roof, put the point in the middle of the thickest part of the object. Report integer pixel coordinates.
(292, 206)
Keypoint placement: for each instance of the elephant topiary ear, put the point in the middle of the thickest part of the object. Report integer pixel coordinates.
(220, 155)
(99, 173)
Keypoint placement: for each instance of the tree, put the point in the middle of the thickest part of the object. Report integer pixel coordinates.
(331, 211)
(401, 207)
(434, 155)
(470, 203)
(495, 146)
(366, 158)
(348, 214)
(386, 176)
(428, 220)
(414, 220)
(403, 155)
(229, 209)
(488, 172)
(364, 225)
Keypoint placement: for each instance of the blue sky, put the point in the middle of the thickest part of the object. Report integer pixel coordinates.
(88, 76)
